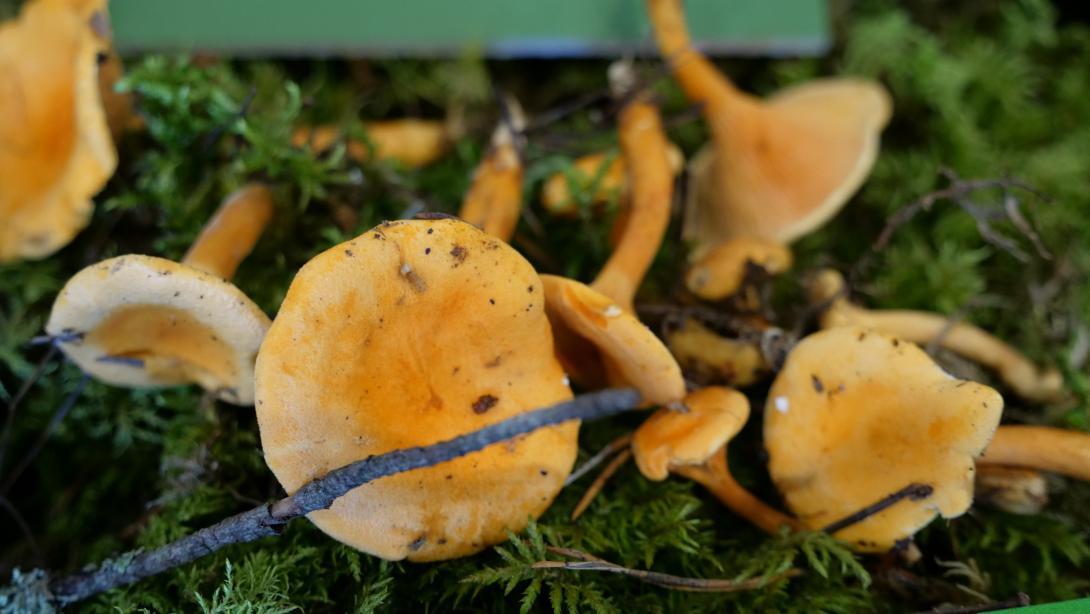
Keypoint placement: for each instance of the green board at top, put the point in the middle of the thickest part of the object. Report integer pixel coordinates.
(499, 28)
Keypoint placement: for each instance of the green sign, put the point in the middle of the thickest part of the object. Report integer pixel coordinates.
(500, 28)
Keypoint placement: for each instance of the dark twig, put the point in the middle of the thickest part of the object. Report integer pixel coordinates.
(587, 562)
(913, 492)
(212, 137)
(268, 519)
(58, 417)
(23, 527)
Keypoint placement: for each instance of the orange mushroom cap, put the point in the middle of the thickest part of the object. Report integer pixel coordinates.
(55, 147)
(856, 415)
(410, 334)
(598, 339)
(605, 174)
(721, 271)
(147, 322)
(714, 358)
(778, 168)
(670, 439)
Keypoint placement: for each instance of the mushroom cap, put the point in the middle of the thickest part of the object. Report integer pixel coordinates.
(721, 271)
(671, 438)
(712, 358)
(55, 146)
(857, 415)
(413, 333)
(185, 325)
(631, 353)
(780, 168)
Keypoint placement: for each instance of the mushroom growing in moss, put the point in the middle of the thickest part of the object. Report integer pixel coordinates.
(412, 333)
(605, 175)
(55, 146)
(827, 289)
(856, 415)
(142, 321)
(721, 271)
(411, 142)
(776, 168)
(494, 198)
(693, 443)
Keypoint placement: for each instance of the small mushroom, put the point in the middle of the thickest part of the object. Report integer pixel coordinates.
(597, 341)
(721, 271)
(55, 146)
(495, 196)
(142, 321)
(644, 145)
(411, 142)
(1030, 382)
(693, 443)
(778, 168)
(1012, 489)
(604, 173)
(713, 358)
(412, 333)
(858, 415)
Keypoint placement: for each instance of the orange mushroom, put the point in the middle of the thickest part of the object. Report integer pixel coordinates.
(55, 146)
(857, 415)
(1060, 451)
(1030, 382)
(713, 358)
(412, 333)
(721, 271)
(1011, 489)
(411, 142)
(778, 168)
(494, 199)
(603, 174)
(141, 321)
(693, 443)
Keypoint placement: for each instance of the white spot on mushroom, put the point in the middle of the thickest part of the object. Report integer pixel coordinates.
(406, 269)
(782, 404)
(566, 380)
(613, 311)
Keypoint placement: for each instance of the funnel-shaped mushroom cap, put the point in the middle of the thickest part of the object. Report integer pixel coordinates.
(855, 416)
(721, 271)
(781, 168)
(150, 322)
(413, 333)
(616, 339)
(671, 438)
(55, 147)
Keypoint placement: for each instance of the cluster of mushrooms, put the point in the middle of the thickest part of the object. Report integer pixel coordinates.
(420, 330)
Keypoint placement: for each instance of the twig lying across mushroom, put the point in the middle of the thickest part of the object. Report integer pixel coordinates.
(494, 198)
(323, 492)
(1030, 382)
(778, 168)
(142, 321)
(413, 332)
(55, 146)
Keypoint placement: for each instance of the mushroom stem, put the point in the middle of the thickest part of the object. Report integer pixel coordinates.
(923, 328)
(1040, 447)
(495, 197)
(651, 184)
(232, 232)
(701, 80)
(716, 477)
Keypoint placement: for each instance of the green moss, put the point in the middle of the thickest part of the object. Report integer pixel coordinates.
(981, 91)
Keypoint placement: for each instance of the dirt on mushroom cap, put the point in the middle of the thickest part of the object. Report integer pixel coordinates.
(856, 415)
(412, 333)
